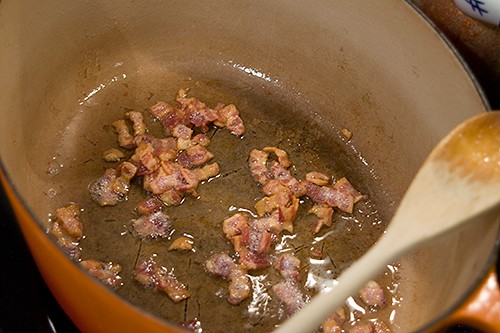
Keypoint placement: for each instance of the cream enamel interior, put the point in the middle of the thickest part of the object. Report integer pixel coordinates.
(376, 68)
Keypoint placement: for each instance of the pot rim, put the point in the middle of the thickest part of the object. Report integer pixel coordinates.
(465, 295)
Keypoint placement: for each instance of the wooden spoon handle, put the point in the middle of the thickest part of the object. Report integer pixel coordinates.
(481, 310)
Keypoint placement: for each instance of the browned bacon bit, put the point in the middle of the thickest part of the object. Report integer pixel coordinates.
(380, 327)
(161, 109)
(372, 294)
(327, 195)
(288, 266)
(193, 326)
(194, 156)
(282, 156)
(112, 155)
(125, 139)
(152, 226)
(318, 178)
(229, 116)
(201, 139)
(234, 225)
(285, 177)
(333, 323)
(138, 122)
(182, 244)
(149, 206)
(258, 166)
(182, 131)
(148, 273)
(106, 272)
(324, 215)
(67, 229)
(222, 265)
(289, 293)
(207, 171)
(113, 186)
(344, 186)
(362, 328)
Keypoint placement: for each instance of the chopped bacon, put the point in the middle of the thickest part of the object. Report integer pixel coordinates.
(182, 244)
(107, 272)
(362, 328)
(284, 176)
(138, 122)
(175, 289)
(229, 116)
(152, 226)
(333, 323)
(373, 295)
(318, 178)
(207, 171)
(380, 327)
(344, 186)
(282, 155)
(327, 195)
(193, 326)
(113, 186)
(278, 199)
(69, 219)
(286, 214)
(67, 229)
(171, 197)
(201, 139)
(324, 215)
(222, 265)
(182, 131)
(289, 293)
(148, 273)
(288, 266)
(258, 166)
(112, 155)
(234, 225)
(125, 139)
(149, 206)
(161, 109)
(194, 156)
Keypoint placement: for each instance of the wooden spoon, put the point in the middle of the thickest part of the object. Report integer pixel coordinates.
(457, 184)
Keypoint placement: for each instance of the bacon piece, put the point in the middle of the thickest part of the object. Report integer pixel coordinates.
(207, 171)
(278, 199)
(327, 195)
(69, 219)
(380, 327)
(258, 166)
(161, 109)
(289, 293)
(125, 139)
(112, 155)
(193, 326)
(194, 156)
(229, 116)
(182, 244)
(67, 229)
(344, 186)
(362, 328)
(148, 273)
(175, 290)
(221, 265)
(234, 225)
(107, 272)
(372, 294)
(171, 197)
(152, 226)
(201, 139)
(145, 158)
(324, 215)
(288, 266)
(137, 121)
(286, 214)
(182, 131)
(318, 178)
(149, 206)
(333, 323)
(282, 156)
(285, 177)
(113, 186)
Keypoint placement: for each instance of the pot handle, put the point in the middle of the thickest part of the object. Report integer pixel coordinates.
(482, 308)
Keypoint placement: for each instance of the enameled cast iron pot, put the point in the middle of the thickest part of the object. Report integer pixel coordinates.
(377, 68)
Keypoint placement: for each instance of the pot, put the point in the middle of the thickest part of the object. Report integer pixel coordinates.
(378, 69)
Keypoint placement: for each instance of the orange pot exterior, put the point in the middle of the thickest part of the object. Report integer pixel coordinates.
(90, 305)
(481, 310)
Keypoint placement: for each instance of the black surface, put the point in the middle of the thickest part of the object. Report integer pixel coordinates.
(26, 304)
